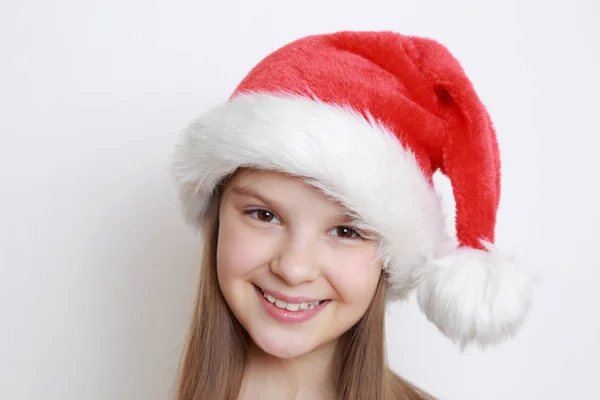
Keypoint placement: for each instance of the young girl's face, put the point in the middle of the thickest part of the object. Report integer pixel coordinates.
(291, 268)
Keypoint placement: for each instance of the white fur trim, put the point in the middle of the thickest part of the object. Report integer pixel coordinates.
(356, 161)
(470, 295)
(475, 296)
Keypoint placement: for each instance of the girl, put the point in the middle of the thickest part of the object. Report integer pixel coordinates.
(313, 187)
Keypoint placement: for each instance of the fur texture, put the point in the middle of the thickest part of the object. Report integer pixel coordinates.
(359, 163)
(474, 296)
(368, 117)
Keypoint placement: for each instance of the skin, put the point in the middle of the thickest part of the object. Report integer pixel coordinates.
(280, 234)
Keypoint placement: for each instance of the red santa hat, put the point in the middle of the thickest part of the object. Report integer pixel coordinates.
(368, 118)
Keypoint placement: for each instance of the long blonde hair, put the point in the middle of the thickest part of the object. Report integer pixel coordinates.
(215, 352)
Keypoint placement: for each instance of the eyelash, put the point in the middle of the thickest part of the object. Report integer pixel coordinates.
(250, 212)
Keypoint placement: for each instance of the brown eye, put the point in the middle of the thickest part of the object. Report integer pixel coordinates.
(264, 215)
(346, 232)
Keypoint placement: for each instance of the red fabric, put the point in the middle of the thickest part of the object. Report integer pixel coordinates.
(415, 87)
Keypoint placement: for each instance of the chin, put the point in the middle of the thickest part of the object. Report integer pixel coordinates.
(281, 345)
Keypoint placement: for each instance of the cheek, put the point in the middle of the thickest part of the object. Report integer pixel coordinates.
(239, 250)
(354, 277)
(237, 259)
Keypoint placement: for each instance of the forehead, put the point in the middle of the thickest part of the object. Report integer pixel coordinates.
(281, 187)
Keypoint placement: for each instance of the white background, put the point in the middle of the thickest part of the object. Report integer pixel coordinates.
(98, 270)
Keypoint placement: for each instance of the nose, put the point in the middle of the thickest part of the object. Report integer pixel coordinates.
(296, 261)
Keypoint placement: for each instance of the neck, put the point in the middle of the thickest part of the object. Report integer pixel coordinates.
(307, 377)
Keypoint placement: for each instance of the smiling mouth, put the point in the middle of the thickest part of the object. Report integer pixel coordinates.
(302, 306)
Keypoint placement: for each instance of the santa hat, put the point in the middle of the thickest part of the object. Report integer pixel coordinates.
(368, 118)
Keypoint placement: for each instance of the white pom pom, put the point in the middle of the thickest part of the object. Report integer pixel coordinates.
(475, 296)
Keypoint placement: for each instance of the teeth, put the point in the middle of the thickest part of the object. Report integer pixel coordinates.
(280, 304)
(291, 306)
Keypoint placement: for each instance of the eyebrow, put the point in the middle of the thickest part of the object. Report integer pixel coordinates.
(344, 219)
(249, 192)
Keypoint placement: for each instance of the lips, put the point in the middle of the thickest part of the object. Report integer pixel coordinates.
(289, 309)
